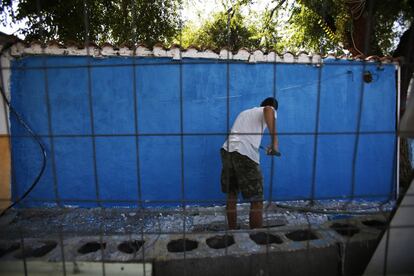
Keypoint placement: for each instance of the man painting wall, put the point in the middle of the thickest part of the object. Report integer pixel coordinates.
(240, 158)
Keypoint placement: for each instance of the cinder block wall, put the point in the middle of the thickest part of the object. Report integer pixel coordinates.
(115, 100)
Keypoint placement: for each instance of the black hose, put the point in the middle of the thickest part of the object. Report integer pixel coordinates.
(32, 134)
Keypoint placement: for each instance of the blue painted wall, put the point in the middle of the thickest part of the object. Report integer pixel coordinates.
(161, 169)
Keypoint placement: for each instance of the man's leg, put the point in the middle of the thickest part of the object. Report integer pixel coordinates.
(229, 186)
(250, 181)
(256, 216)
(231, 210)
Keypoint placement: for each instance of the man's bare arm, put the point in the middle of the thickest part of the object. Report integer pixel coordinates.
(269, 116)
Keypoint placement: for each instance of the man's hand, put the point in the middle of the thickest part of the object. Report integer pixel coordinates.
(272, 151)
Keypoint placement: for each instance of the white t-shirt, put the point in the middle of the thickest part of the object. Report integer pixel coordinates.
(252, 123)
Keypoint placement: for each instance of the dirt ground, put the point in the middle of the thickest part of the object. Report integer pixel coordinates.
(82, 221)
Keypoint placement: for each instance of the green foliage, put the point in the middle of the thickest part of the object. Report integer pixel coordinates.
(214, 33)
(391, 18)
(327, 25)
(284, 25)
(314, 26)
(268, 31)
(117, 21)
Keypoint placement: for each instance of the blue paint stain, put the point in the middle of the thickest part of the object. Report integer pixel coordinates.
(157, 173)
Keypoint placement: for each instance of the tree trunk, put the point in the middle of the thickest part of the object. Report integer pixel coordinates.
(405, 50)
(362, 39)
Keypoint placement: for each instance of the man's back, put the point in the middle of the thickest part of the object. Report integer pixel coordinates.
(246, 133)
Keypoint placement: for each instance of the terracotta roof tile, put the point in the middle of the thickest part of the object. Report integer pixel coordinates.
(160, 50)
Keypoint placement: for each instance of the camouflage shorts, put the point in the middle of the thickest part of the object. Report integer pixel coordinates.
(241, 174)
